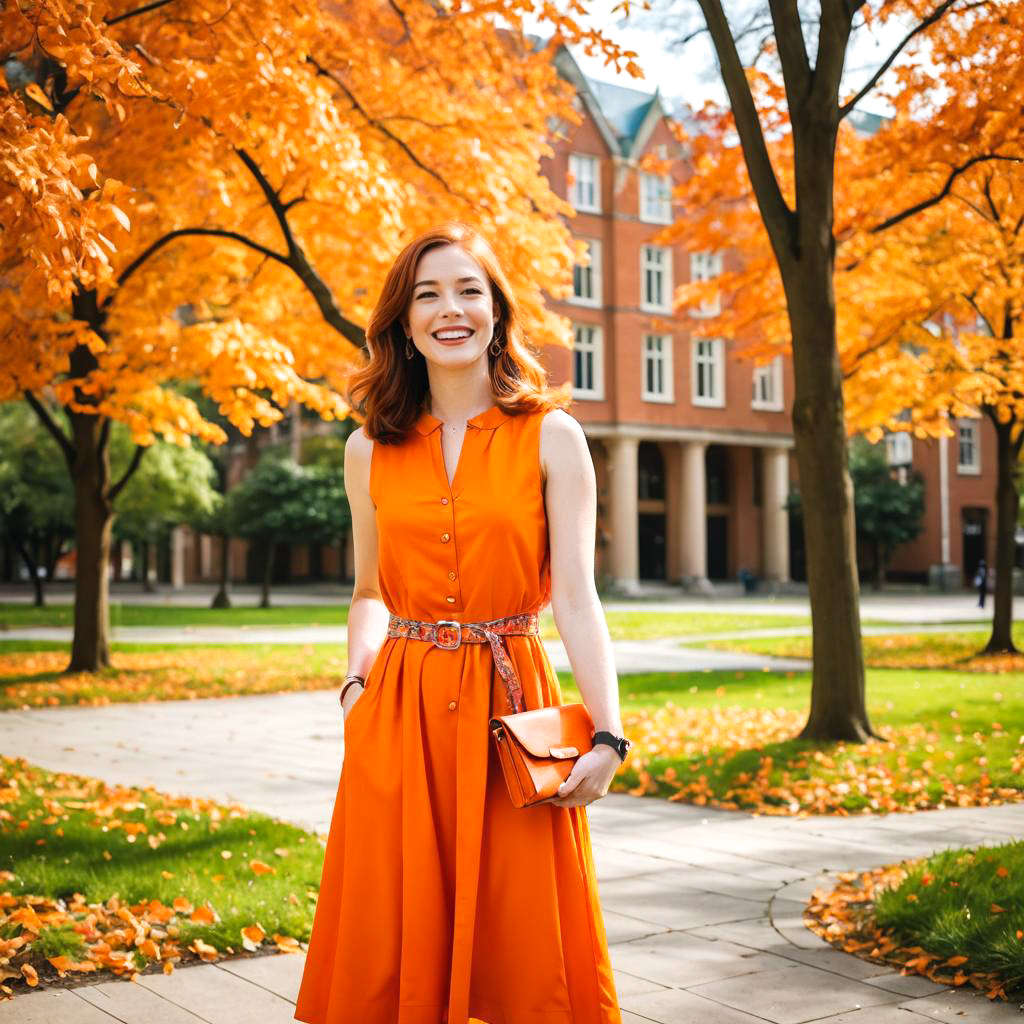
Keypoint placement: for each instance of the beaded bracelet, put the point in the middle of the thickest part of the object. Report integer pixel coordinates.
(349, 680)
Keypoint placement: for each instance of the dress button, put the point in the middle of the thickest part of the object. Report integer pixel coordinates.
(451, 575)
(450, 599)
(444, 501)
(451, 705)
(444, 538)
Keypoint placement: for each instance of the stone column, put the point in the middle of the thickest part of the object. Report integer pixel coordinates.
(624, 561)
(178, 557)
(693, 520)
(775, 519)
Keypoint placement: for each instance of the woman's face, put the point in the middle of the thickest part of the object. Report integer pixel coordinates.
(452, 313)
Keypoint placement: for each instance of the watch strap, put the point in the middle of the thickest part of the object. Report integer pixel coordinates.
(620, 744)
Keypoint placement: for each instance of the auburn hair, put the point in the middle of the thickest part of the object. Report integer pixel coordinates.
(389, 392)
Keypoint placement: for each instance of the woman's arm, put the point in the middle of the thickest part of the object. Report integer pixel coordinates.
(367, 614)
(570, 497)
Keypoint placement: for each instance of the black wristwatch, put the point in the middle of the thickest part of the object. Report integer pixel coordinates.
(620, 743)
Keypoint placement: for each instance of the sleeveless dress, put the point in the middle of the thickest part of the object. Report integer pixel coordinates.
(439, 900)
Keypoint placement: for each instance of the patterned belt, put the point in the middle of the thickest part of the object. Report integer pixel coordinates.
(449, 635)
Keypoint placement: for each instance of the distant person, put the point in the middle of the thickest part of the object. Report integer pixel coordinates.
(981, 582)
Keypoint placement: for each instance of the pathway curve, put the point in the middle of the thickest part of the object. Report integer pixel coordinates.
(703, 908)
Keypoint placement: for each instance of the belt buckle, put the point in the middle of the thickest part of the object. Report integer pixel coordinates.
(445, 626)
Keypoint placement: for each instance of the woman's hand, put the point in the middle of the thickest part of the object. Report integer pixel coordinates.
(354, 693)
(589, 779)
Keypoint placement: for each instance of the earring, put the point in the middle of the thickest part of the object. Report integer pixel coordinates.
(495, 345)
(408, 347)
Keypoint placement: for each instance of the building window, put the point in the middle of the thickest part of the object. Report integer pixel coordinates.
(968, 458)
(708, 372)
(587, 362)
(656, 278)
(768, 386)
(899, 448)
(704, 266)
(585, 191)
(586, 280)
(655, 198)
(658, 368)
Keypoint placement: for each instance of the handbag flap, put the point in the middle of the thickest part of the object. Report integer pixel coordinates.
(562, 725)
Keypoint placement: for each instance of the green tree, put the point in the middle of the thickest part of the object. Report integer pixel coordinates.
(172, 485)
(889, 512)
(36, 501)
(281, 502)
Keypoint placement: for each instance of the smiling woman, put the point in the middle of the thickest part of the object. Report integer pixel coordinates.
(473, 506)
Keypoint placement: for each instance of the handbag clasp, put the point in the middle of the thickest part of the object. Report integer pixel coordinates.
(444, 630)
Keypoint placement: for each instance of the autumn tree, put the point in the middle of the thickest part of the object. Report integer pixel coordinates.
(953, 279)
(213, 195)
(772, 201)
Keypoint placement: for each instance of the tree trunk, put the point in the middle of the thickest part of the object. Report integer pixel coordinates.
(94, 520)
(33, 571)
(268, 568)
(878, 569)
(221, 599)
(838, 707)
(1007, 509)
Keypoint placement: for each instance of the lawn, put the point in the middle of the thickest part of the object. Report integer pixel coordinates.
(903, 650)
(622, 625)
(956, 917)
(101, 877)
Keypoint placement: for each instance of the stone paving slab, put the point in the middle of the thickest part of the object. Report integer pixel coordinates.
(703, 907)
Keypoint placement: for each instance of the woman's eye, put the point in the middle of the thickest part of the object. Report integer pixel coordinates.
(425, 295)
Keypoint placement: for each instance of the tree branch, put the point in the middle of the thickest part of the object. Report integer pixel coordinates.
(777, 215)
(796, 69)
(887, 63)
(938, 197)
(180, 233)
(66, 446)
(140, 450)
(140, 10)
(299, 263)
(401, 143)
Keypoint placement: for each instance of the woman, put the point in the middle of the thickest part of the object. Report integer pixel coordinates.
(473, 500)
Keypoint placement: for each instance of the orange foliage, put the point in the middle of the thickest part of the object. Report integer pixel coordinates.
(843, 917)
(956, 95)
(221, 190)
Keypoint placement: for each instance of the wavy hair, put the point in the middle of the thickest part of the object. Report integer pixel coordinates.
(389, 392)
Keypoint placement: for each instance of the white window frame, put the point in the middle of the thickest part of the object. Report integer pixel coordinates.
(973, 426)
(655, 197)
(595, 346)
(705, 265)
(652, 266)
(708, 352)
(585, 191)
(768, 386)
(899, 448)
(657, 351)
(593, 271)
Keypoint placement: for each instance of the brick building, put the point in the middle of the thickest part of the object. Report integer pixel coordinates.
(692, 446)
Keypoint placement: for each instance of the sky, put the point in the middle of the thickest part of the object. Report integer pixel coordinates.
(692, 75)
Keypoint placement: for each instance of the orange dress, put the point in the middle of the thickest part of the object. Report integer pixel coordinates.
(440, 901)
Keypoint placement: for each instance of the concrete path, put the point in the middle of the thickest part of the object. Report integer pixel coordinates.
(703, 908)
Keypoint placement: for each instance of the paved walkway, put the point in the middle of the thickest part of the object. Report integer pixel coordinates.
(703, 908)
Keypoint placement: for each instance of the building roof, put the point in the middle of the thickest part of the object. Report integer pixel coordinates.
(624, 109)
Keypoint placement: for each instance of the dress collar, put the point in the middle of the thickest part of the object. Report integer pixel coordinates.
(487, 420)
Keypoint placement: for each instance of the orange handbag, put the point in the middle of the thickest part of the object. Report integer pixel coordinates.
(538, 748)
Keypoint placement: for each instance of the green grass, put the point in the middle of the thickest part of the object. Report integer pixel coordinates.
(926, 650)
(99, 864)
(946, 906)
(625, 625)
